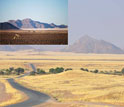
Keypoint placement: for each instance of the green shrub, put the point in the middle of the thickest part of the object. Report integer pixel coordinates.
(40, 71)
(19, 71)
(96, 71)
(52, 70)
(57, 70)
(67, 69)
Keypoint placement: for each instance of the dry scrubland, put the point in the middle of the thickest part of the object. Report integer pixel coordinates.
(56, 36)
(76, 86)
(9, 95)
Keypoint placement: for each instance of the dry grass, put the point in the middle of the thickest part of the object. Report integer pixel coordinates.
(78, 86)
(72, 86)
(34, 36)
(8, 94)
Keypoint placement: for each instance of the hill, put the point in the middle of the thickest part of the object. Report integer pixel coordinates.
(15, 47)
(29, 23)
(7, 26)
(88, 44)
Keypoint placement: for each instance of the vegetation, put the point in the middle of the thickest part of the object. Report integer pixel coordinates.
(68, 69)
(80, 86)
(56, 70)
(40, 71)
(11, 71)
(10, 93)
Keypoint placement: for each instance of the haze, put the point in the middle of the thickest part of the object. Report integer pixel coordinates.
(101, 19)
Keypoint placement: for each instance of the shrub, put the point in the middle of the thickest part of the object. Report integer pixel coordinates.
(67, 69)
(57, 70)
(40, 71)
(1, 73)
(52, 70)
(82, 69)
(19, 71)
(96, 71)
(86, 70)
(7, 72)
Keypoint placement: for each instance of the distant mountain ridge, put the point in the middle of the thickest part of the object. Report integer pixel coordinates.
(29, 23)
(87, 44)
(7, 26)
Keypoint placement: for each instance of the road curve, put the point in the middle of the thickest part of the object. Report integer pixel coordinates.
(34, 97)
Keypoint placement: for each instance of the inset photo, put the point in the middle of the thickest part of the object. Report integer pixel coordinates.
(33, 22)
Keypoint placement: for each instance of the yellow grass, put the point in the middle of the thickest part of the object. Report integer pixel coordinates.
(73, 85)
(16, 95)
(77, 85)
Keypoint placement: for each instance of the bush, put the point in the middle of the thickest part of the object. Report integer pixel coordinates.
(1, 73)
(52, 70)
(84, 69)
(7, 72)
(68, 69)
(40, 71)
(57, 70)
(19, 71)
(96, 71)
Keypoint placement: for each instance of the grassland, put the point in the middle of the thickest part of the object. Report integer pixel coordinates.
(34, 36)
(73, 86)
(9, 95)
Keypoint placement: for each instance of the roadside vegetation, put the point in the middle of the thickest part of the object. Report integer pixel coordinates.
(12, 71)
(115, 72)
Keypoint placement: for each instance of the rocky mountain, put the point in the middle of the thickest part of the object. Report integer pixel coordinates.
(88, 44)
(7, 26)
(15, 47)
(29, 23)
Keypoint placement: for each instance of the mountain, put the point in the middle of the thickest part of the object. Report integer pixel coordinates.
(88, 44)
(7, 26)
(29, 23)
(15, 47)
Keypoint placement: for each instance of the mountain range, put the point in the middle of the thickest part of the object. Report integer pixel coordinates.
(85, 44)
(29, 23)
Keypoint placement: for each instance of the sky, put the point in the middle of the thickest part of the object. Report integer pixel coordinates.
(100, 19)
(49, 11)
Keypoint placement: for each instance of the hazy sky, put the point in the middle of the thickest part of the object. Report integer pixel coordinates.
(101, 19)
(50, 11)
